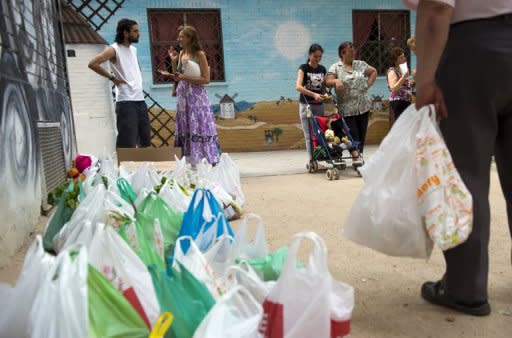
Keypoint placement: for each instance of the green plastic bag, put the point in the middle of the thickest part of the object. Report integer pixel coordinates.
(184, 296)
(126, 191)
(62, 214)
(145, 240)
(110, 314)
(154, 207)
(269, 267)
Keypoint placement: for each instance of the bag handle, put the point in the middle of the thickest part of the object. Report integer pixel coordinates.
(162, 325)
(241, 236)
(431, 112)
(244, 225)
(60, 271)
(244, 295)
(179, 248)
(214, 205)
(199, 194)
(317, 258)
(126, 190)
(35, 250)
(238, 270)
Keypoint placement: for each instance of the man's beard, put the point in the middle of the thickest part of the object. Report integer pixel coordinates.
(133, 40)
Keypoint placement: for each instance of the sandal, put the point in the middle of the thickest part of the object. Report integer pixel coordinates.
(434, 292)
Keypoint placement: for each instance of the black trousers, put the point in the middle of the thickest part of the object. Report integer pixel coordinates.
(358, 125)
(397, 108)
(475, 75)
(133, 126)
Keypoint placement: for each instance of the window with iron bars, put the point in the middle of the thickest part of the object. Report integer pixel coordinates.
(163, 24)
(376, 32)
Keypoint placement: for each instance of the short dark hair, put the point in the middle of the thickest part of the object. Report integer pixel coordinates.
(343, 46)
(394, 53)
(124, 25)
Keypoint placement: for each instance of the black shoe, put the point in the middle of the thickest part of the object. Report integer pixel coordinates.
(434, 293)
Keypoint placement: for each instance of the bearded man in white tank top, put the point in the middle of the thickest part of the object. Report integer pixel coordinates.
(131, 110)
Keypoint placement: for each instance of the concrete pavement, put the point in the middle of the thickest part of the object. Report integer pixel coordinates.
(283, 162)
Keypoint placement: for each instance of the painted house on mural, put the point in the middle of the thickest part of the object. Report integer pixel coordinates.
(37, 139)
(254, 48)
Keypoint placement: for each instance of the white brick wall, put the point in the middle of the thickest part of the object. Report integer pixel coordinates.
(91, 98)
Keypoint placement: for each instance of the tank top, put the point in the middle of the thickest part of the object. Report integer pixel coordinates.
(127, 69)
(181, 68)
(404, 93)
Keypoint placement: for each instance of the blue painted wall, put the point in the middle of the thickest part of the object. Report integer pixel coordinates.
(264, 41)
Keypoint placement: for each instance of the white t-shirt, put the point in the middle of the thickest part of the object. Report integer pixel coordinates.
(127, 69)
(471, 9)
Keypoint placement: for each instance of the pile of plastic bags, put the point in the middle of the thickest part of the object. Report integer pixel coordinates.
(147, 254)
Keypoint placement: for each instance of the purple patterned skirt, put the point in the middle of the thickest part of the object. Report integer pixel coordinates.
(195, 130)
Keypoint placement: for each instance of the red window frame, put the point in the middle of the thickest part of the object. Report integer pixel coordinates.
(163, 24)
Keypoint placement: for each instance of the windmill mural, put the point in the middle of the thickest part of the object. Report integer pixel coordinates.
(227, 106)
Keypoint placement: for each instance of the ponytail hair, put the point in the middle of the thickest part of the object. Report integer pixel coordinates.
(314, 48)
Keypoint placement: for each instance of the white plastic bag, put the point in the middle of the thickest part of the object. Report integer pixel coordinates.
(245, 249)
(60, 308)
(446, 205)
(307, 302)
(98, 207)
(385, 215)
(71, 234)
(219, 255)
(109, 164)
(195, 262)
(182, 172)
(113, 257)
(16, 302)
(174, 196)
(236, 315)
(227, 174)
(144, 177)
(244, 275)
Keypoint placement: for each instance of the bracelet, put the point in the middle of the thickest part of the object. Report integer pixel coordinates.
(112, 78)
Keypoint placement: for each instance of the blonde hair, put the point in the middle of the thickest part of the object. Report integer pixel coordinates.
(411, 43)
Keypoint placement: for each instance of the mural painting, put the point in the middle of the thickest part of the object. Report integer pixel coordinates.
(33, 87)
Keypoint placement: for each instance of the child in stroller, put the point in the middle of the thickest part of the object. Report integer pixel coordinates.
(337, 138)
(330, 138)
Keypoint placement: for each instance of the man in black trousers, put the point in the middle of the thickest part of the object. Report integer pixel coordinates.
(464, 68)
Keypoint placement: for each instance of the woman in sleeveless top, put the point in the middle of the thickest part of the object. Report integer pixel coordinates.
(195, 131)
(398, 84)
(310, 85)
(352, 78)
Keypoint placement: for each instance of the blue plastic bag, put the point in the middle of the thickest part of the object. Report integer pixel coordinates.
(204, 212)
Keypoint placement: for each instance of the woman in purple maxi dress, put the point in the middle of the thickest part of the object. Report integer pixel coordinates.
(195, 130)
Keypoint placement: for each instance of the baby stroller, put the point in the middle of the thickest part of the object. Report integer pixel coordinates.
(327, 151)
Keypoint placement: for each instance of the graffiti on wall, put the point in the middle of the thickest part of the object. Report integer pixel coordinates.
(33, 87)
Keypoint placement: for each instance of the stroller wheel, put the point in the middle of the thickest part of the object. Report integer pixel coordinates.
(330, 174)
(309, 167)
(336, 174)
(312, 166)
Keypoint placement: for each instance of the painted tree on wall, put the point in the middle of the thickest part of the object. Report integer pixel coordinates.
(276, 132)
